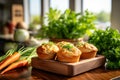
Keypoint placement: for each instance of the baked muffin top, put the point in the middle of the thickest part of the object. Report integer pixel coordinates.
(68, 49)
(86, 47)
(49, 47)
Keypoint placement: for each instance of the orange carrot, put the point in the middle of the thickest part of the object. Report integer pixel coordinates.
(10, 60)
(14, 65)
(4, 60)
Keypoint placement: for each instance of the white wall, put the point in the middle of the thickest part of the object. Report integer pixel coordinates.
(26, 11)
(115, 14)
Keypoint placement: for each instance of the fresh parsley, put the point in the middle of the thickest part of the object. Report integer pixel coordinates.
(108, 44)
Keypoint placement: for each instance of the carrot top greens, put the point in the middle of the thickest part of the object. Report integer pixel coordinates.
(26, 53)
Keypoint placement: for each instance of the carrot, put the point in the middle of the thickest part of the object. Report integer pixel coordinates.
(8, 53)
(14, 65)
(17, 59)
(10, 60)
(4, 60)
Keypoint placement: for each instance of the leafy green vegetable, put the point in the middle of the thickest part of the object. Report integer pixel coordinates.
(113, 65)
(105, 40)
(67, 25)
(108, 44)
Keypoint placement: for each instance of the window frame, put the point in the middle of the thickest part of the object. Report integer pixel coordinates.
(75, 5)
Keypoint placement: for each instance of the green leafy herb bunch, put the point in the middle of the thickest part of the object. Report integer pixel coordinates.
(108, 44)
(67, 25)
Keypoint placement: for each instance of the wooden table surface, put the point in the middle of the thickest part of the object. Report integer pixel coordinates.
(29, 73)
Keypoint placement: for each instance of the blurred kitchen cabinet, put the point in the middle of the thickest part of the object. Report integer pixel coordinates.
(17, 13)
(1, 12)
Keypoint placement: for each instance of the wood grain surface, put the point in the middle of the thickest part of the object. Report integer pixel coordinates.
(29, 73)
(68, 69)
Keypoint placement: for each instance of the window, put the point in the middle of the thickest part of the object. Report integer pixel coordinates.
(35, 11)
(102, 10)
(35, 15)
(59, 4)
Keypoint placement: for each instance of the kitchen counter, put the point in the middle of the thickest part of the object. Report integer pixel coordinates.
(29, 73)
(8, 37)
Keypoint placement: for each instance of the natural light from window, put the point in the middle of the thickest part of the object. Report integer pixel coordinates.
(102, 10)
(35, 12)
(35, 7)
(59, 4)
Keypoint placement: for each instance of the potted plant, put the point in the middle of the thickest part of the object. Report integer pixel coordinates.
(67, 25)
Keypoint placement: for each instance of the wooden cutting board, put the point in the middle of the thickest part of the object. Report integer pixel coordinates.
(68, 69)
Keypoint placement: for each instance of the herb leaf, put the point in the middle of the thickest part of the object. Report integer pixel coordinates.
(67, 25)
(108, 44)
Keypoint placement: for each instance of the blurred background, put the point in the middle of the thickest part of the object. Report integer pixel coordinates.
(32, 11)
(31, 14)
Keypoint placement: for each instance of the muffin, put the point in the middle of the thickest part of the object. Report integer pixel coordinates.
(68, 52)
(47, 51)
(88, 50)
(62, 43)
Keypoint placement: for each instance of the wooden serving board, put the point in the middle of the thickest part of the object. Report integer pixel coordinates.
(68, 69)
